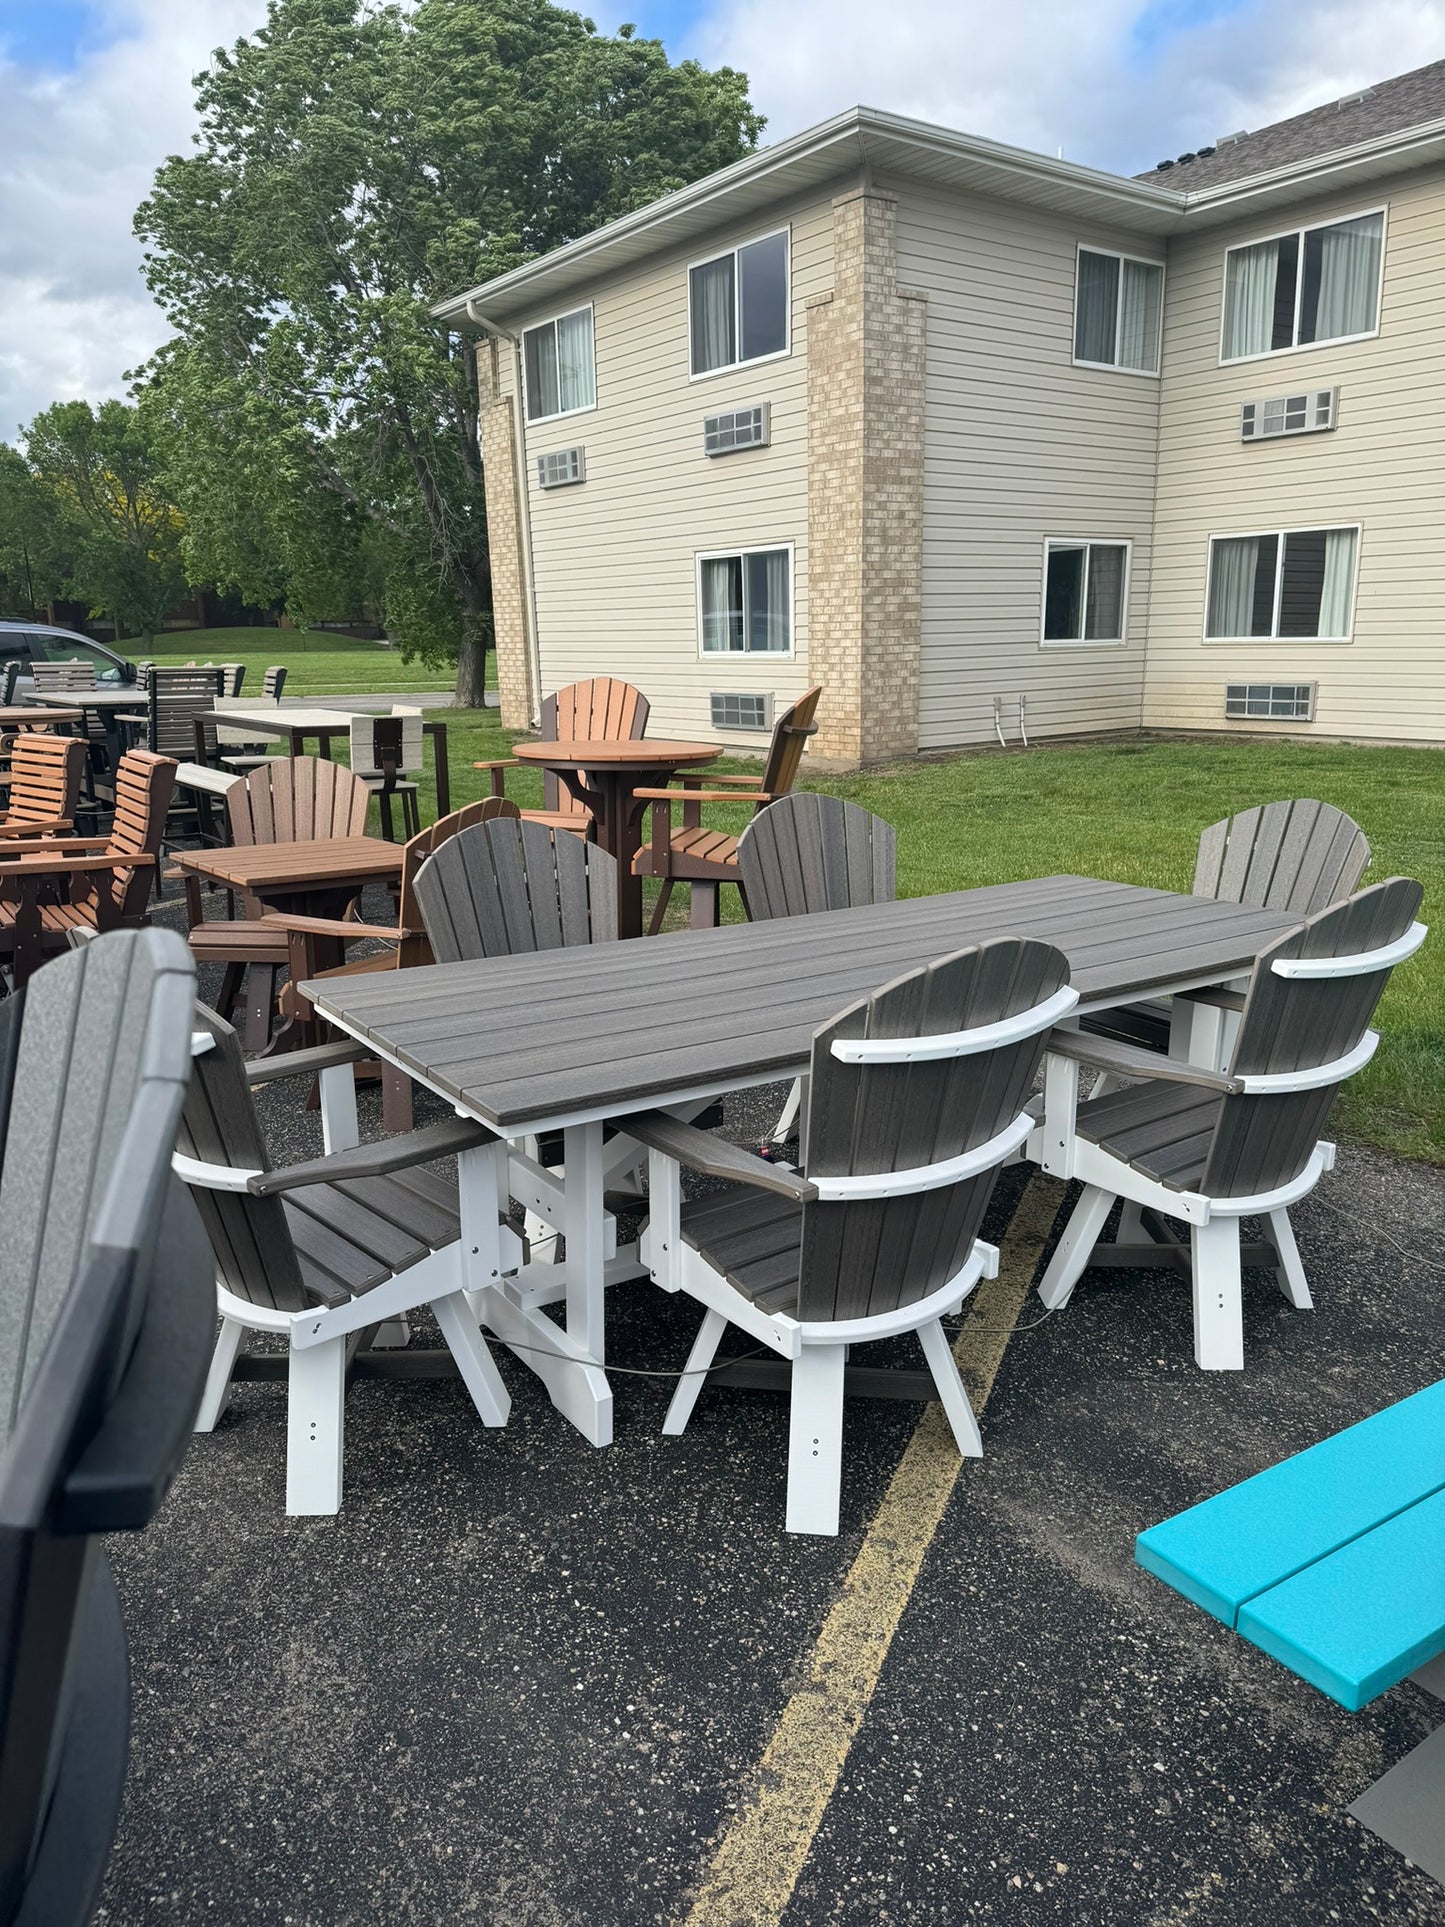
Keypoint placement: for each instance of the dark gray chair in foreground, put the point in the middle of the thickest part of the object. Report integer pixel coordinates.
(1213, 1147)
(503, 888)
(105, 1326)
(916, 1097)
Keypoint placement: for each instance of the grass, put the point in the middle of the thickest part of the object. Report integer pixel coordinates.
(1133, 811)
(317, 663)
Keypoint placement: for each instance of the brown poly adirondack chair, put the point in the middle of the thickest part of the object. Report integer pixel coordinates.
(705, 858)
(408, 948)
(327, 1252)
(917, 1095)
(87, 884)
(1299, 855)
(1213, 1147)
(601, 710)
(44, 784)
(288, 799)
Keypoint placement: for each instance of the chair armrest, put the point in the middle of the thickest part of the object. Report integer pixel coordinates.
(43, 845)
(1216, 999)
(713, 1156)
(376, 1160)
(31, 865)
(700, 796)
(304, 1063)
(332, 926)
(720, 776)
(1128, 1060)
(128, 716)
(35, 832)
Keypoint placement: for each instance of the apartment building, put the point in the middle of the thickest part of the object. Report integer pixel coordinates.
(991, 445)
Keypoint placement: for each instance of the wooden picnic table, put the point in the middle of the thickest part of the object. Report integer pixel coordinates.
(566, 1039)
(315, 877)
(293, 726)
(28, 716)
(602, 776)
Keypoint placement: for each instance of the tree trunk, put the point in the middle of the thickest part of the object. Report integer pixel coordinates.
(471, 674)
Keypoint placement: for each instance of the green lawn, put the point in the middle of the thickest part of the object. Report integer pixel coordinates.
(1134, 811)
(317, 664)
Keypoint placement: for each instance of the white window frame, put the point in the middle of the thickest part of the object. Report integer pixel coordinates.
(1117, 367)
(1306, 347)
(1281, 642)
(548, 321)
(726, 555)
(1085, 542)
(756, 361)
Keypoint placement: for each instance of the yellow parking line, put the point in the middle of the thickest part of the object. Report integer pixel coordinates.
(756, 1866)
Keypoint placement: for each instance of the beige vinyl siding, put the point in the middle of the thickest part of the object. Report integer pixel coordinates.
(615, 556)
(1021, 445)
(1381, 467)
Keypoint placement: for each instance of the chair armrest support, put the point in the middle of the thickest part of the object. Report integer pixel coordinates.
(377, 1160)
(305, 1063)
(1216, 998)
(714, 1156)
(1128, 1060)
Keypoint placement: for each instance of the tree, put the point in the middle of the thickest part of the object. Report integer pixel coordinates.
(357, 162)
(35, 556)
(99, 467)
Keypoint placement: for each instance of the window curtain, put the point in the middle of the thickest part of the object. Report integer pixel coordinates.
(1348, 266)
(541, 358)
(1139, 292)
(1097, 308)
(1339, 576)
(576, 383)
(767, 601)
(714, 340)
(1104, 598)
(1232, 566)
(722, 604)
(1249, 300)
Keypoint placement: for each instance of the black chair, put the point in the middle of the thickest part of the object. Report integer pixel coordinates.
(105, 1327)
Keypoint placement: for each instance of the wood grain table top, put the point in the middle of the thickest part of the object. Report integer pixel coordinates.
(312, 863)
(642, 754)
(30, 716)
(272, 720)
(607, 1028)
(133, 697)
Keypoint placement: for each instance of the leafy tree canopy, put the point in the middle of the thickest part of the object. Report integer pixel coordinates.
(36, 549)
(356, 163)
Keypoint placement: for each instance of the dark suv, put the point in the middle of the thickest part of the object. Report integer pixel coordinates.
(34, 642)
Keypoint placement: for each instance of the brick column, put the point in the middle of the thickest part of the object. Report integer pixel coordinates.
(504, 542)
(866, 370)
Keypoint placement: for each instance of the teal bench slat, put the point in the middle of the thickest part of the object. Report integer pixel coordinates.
(1362, 1619)
(1258, 1534)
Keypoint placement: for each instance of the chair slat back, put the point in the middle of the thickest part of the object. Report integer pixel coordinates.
(63, 675)
(274, 681)
(1299, 855)
(174, 698)
(250, 1237)
(144, 783)
(45, 773)
(864, 1257)
(599, 710)
(808, 852)
(790, 732)
(13, 671)
(414, 948)
(1291, 1024)
(379, 741)
(292, 799)
(507, 886)
(233, 674)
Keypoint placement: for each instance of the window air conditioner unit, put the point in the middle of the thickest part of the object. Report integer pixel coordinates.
(1304, 414)
(1270, 702)
(739, 428)
(731, 711)
(561, 467)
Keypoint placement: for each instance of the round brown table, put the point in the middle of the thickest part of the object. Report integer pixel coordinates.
(602, 776)
(30, 716)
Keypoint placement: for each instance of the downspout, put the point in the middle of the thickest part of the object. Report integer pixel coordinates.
(524, 504)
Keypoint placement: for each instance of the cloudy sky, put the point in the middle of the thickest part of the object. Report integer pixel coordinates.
(93, 93)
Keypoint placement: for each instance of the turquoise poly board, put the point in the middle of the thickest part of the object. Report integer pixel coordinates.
(1357, 1622)
(1259, 1533)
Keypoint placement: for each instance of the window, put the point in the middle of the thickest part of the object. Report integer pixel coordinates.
(1318, 284)
(745, 602)
(1086, 588)
(62, 647)
(1117, 304)
(1296, 583)
(738, 305)
(559, 369)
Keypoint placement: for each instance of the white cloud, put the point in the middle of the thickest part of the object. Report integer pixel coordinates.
(78, 153)
(1115, 83)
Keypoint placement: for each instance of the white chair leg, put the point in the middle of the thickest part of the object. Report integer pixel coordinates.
(704, 1351)
(951, 1392)
(315, 1428)
(1291, 1271)
(1218, 1306)
(235, 1338)
(815, 1439)
(1076, 1244)
(789, 1111)
(458, 1326)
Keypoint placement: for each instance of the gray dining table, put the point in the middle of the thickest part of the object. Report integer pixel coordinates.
(572, 1039)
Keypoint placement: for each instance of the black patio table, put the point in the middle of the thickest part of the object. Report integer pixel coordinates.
(565, 1039)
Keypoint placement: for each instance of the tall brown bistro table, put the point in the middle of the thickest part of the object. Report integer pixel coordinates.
(603, 776)
(567, 1039)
